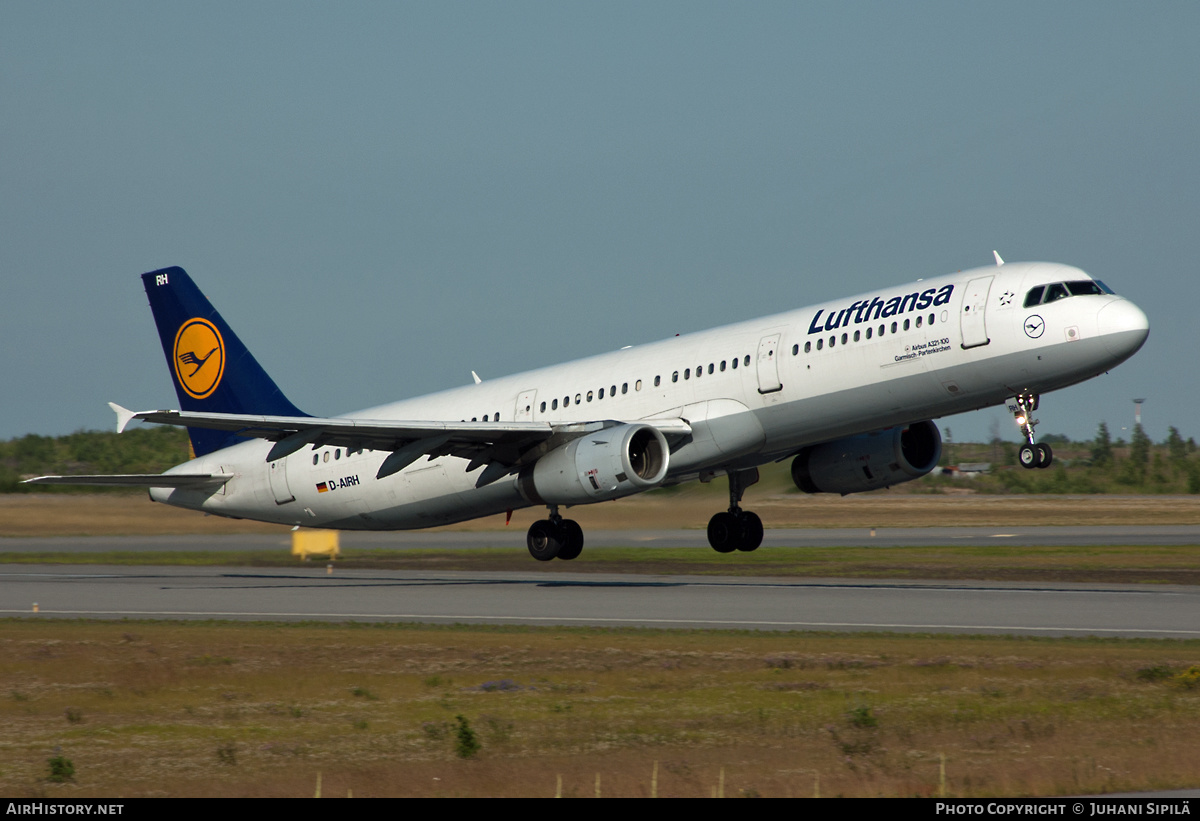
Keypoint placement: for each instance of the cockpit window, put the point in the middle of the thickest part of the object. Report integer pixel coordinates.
(1084, 288)
(1041, 294)
(1055, 292)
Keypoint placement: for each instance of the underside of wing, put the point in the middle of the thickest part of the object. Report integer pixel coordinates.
(504, 447)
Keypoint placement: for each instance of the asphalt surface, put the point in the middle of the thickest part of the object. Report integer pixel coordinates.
(599, 539)
(312, 593)
(534, 597)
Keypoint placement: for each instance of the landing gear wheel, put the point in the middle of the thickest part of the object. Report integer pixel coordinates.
(752, 532)
(723, 532)
(1028, 456)
(1045, 456)
(572, 540)
(544, 540)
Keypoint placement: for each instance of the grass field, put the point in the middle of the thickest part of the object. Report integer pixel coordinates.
(689, 507)
(1089, 564)
(219, 709)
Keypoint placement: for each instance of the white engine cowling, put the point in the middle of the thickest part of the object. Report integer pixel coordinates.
(608, 464)
(870, 461)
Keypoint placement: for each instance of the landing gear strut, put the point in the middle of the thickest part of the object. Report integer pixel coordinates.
(1031, 454)
(736, 529)
(555, 537)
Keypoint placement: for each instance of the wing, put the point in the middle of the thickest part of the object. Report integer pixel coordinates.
(504, 447)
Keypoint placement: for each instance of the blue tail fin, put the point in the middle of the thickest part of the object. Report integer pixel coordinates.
(212, 370)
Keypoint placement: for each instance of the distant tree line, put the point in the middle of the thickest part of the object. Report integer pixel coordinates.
(138, 450)
(1098, 465)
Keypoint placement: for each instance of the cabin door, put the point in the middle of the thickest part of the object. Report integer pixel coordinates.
(974, 313)
(279, 483)
(768, 365)
(524, 409)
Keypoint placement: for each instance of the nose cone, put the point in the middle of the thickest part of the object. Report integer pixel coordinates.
(1123, 327)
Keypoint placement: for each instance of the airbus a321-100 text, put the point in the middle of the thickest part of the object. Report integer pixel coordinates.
(846, 390)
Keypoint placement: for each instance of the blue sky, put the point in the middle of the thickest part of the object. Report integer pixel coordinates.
(381, 197)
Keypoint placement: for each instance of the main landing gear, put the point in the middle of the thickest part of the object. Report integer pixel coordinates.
(1031, 454)
(736, 529)
(555, 537)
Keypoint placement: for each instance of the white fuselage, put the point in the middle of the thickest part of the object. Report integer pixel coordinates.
(753, 392)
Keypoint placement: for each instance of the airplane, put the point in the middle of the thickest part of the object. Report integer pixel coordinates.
(845, 389)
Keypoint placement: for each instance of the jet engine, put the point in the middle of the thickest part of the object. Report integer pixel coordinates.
(869, 461)
(608, 464)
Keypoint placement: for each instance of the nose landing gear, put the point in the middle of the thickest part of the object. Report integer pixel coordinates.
(736, 529)
(1031, 455)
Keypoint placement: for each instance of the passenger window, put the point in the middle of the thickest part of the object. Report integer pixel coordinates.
(808, 347)
(882, 329)
(747, 361)
(735, 364)
(543, 407)
(832, 341)
(699, 371)
(710, 367)
(637, 386)
(566, 401)
(657, 381)
(918, 322)
(856, 336)
(316, 458)
(893, 327)
(1034, 297)
(625, 387)
(687, 373)
(326, 456)
(931, 319)
(554, 405)
(337, 454)
(675, 376)
(844, 338)
(578, 398)
(722, 366)
(795, 350)
(820, 344)
(600, 395)
(868, 332)
(612, 391)
(589, 396)
(906, 324)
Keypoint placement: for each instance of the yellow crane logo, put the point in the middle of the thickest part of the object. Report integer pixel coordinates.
(199, 357)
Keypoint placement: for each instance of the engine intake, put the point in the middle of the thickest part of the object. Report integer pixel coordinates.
(869, 461)
(608, 464)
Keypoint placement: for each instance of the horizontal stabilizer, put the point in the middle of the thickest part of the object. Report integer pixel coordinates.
(178, 480)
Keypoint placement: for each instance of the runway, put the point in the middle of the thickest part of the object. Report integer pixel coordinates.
(598, 539)
(679, 602)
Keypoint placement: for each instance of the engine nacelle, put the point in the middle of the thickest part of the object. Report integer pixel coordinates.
(608, 464)
(870, 461)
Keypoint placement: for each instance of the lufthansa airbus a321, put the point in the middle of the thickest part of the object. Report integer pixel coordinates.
(846, 390)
